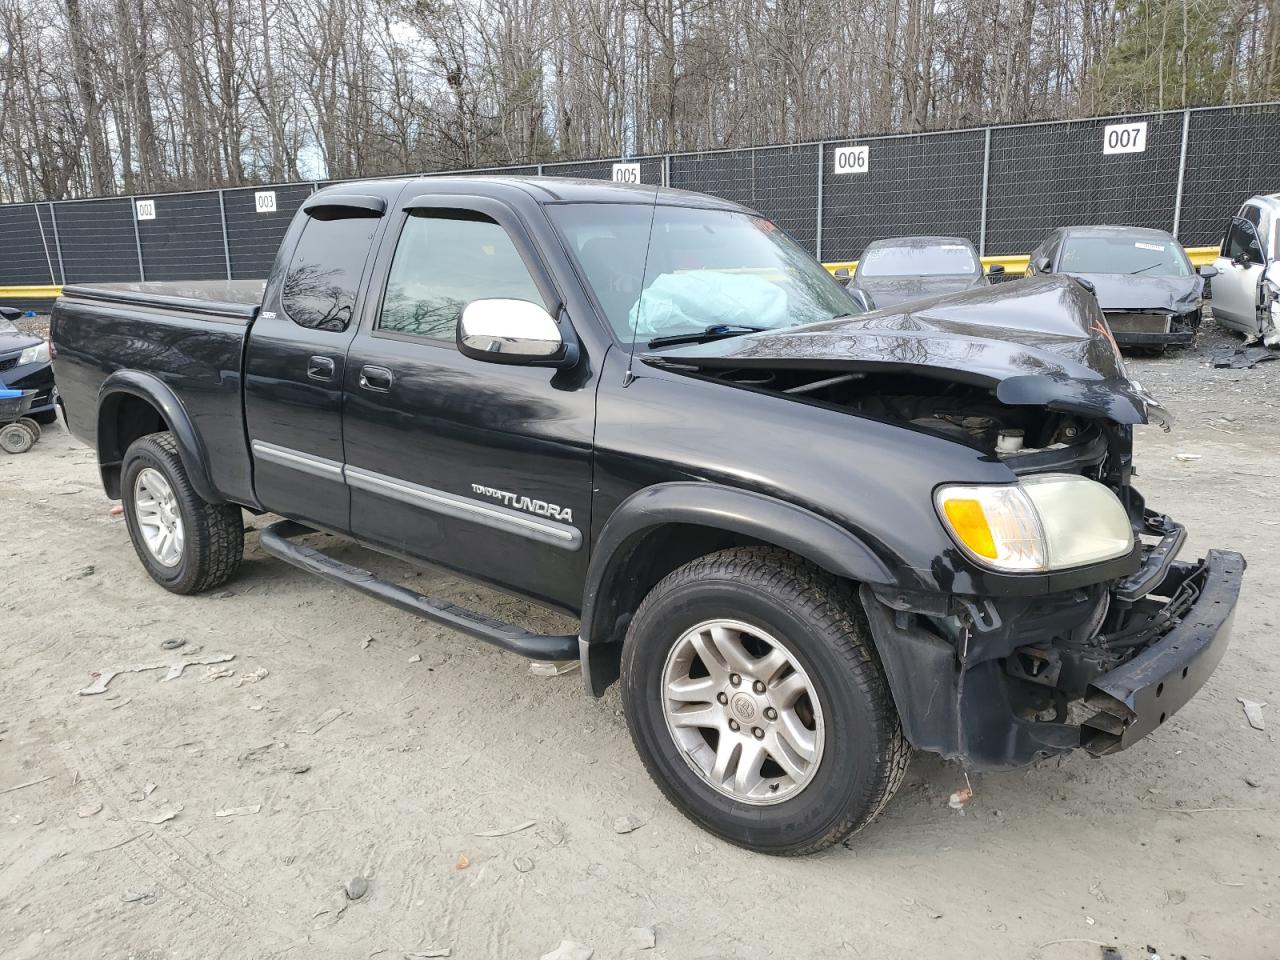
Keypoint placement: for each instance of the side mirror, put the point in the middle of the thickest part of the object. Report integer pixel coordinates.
(1086, 284)
(861, 298)
(513, 331)
(1208, 271)
(1043, 265)
(995, 270)
(842, 276)
(10, 313)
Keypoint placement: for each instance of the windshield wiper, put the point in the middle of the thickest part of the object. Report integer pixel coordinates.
(717, 331)
(1149, 266)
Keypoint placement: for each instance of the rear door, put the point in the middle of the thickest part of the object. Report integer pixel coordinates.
(479, 467)
(296, 359)
(1241, 261)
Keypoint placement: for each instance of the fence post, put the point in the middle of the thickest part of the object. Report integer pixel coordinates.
(137, 238)
(57, 244)
(818, 242)
(986, 170)
(226, 240)
(44, 242)
(666, 170)
(1182, 173)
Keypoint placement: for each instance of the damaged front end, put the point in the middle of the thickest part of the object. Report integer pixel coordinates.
(1022, 662)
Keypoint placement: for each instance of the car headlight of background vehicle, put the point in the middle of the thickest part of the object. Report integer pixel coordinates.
(37, 354)
(1047, 522)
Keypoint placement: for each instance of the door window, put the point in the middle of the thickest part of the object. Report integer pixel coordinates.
(446, 259)
(1242, 241)
(319, 290)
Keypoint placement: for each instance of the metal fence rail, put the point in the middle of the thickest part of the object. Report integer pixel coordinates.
(1003, 187)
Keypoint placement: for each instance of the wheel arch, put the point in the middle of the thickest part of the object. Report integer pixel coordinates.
(660, 528)
(132, 404)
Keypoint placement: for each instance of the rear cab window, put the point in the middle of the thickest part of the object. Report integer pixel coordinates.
(323, 277)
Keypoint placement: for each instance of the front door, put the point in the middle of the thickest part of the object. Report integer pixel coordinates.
(479, 467)
(295, 362)
(1240, 264)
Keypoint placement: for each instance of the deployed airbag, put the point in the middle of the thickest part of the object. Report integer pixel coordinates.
(682, 302)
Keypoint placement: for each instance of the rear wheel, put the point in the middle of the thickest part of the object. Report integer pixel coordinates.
(758, 704)
(186, 543)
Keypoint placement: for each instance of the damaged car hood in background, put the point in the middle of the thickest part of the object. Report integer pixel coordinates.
(1128, 292)
(1040, 342)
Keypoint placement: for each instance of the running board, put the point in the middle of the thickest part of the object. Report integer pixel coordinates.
(276, 540)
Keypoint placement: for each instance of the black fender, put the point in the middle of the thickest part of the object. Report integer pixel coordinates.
(155, 391)
(611, 579)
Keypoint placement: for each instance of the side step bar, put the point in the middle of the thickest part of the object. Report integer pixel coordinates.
(276, 540)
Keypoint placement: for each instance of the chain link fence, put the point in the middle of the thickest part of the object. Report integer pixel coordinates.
(1003, 187)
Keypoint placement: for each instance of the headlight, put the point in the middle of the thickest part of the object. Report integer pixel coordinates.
(37, 354)
(1046, 522)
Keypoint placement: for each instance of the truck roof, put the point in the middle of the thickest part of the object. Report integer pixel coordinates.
(548, 190)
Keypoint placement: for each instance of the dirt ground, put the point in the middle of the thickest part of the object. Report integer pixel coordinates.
(1173, 845)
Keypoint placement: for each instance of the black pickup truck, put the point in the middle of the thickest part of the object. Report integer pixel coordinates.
(805, 537)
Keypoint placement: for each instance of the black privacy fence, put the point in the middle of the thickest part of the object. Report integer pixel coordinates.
(1003, 187)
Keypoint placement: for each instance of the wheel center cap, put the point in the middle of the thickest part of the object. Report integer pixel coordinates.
(744, 708)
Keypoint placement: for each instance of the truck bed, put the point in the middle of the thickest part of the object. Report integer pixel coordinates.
(188, 334)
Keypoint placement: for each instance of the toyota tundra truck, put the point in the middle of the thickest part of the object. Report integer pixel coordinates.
(804, 538)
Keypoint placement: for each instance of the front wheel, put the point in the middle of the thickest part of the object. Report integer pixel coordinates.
(187, 544)
(758, 704)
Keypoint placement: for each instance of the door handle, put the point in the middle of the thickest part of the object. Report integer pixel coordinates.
(377, 379)
(320, 368)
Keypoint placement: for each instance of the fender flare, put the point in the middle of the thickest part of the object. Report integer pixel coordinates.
(156, 392)
(728, 509)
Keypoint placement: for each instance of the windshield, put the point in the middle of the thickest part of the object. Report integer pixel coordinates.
(1124, 255)
(937, 259)
(707, 268)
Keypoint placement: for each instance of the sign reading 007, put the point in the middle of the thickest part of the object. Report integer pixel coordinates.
(1125, 137)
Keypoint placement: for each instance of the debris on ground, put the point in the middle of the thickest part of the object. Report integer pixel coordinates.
(322, 721)
(627, 824)
(642, 938)
(23, 786)
(146, 897)
(522, 864)
(364, 644)
(1252, 781)
(1111, 953)
(116, 511)
(356, 888)
(238, 811)
(217, 673)
(416, 658)
(259, 674)
(89, 810)
(1188, 457)
(506, 831)
(1241, 358)
(959, 799)
(163, 817)
(81, 574)
(462, 862)
(174, 671)
(173, 643)
(1252, 712)
(553, 668)
(570, 950)
(429, 952)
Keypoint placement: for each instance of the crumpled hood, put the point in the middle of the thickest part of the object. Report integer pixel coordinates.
(1039, 342)
(890, 291)
(1118, 291)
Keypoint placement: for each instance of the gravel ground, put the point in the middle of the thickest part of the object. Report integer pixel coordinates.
(220, 814)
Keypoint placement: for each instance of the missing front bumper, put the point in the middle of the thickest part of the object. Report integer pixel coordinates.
(1134, 699)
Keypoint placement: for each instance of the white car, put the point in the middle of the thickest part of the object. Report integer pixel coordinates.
(1246, 291)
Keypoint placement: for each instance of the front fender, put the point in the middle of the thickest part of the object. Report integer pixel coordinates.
(156, 392)
(714, 507)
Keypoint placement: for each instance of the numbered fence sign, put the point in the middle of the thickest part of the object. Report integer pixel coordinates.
(1125, 138)
(146, 209)
(852, 159)
(264, 201)
(626, 173)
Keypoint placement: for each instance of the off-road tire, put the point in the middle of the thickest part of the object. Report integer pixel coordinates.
(820, 620)
(32, 424)
(16, 437)
(213, 533)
